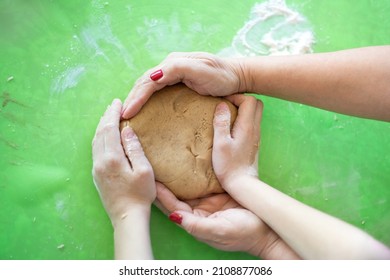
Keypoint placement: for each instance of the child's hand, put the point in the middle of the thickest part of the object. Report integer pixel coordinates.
(122, 174)
(235, 152)
(205, 73)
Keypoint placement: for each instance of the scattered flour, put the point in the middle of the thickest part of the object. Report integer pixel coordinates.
(67, 79)
(273, 29)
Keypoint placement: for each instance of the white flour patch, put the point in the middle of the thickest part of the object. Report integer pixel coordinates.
(272, 29)
(67, 79)
(98, 34)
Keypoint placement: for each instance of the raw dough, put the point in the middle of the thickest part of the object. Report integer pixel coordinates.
(175, 128)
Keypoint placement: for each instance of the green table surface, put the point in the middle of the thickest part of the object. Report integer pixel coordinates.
(62, 63)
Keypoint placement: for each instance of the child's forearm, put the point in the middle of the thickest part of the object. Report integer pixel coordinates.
(311, 233)
(354, 82)
(131, 235)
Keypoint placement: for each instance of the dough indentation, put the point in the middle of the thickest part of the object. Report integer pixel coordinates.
(175, 128)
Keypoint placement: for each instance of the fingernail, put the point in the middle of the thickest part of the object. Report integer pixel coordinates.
(128, 133)
(176, 218)
(156, 75)
(116, 100)
(222, 112)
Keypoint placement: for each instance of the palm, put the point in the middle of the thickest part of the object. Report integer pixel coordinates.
(225, 217)
(213, 204)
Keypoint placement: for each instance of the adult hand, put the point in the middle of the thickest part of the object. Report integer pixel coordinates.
(205, 73)
(122, 174)
(235, 152)
(219, 221)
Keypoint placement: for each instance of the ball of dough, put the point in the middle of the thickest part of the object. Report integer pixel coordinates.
(175, 128)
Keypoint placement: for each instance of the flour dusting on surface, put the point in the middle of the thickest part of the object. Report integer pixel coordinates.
(67, 79)
(273, 29)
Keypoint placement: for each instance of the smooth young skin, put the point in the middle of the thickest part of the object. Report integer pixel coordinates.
(125, 181)
(353, 82)
(219, 220)
(304, 231)
(309, 232)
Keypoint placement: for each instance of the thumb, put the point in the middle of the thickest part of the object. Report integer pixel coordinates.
(133, 150)
(199, 227)
(221, 121)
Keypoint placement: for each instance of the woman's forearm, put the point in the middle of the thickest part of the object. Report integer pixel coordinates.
(131, 235)
(353, 82)
(309, 232)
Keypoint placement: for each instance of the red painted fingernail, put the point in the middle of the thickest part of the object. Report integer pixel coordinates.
(175, 217)
(156, 75)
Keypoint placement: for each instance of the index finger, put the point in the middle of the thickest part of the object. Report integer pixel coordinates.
(168, 200)
(248, 113)
(177, 67)
(107, 132)
(139, 94)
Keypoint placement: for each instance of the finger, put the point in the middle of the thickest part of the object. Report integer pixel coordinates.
(133, 149)
(257, 121)
(139, 95)
(107, 132)
(110, 127)
(169, 201)
(178, 67)
(200, 227)
(246, 114)
(221, 122)
(258, 116)
(157, 202)
(150, 82)
(97, 144)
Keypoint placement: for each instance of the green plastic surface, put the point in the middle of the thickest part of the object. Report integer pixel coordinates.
(62, 63)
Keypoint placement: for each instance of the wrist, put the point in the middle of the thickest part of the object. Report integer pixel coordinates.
(263, 241)
(132, 213)
(240, 69)
(236, 180)
(271, 247)
(259, 73)
(132, 234)
(246, 75)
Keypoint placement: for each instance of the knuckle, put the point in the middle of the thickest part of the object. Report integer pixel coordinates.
(192, 229)
(111, 161)
(260, 103)
(222, 121)
(143, 80)
(222, 145)
(144, 171)
(98, 170)
(106, 128)
(221, 233)
(251, 99)
(98, 134)
(249, 129)
(109, 126)
(133, 147)
(175, 55)
(210, 60)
